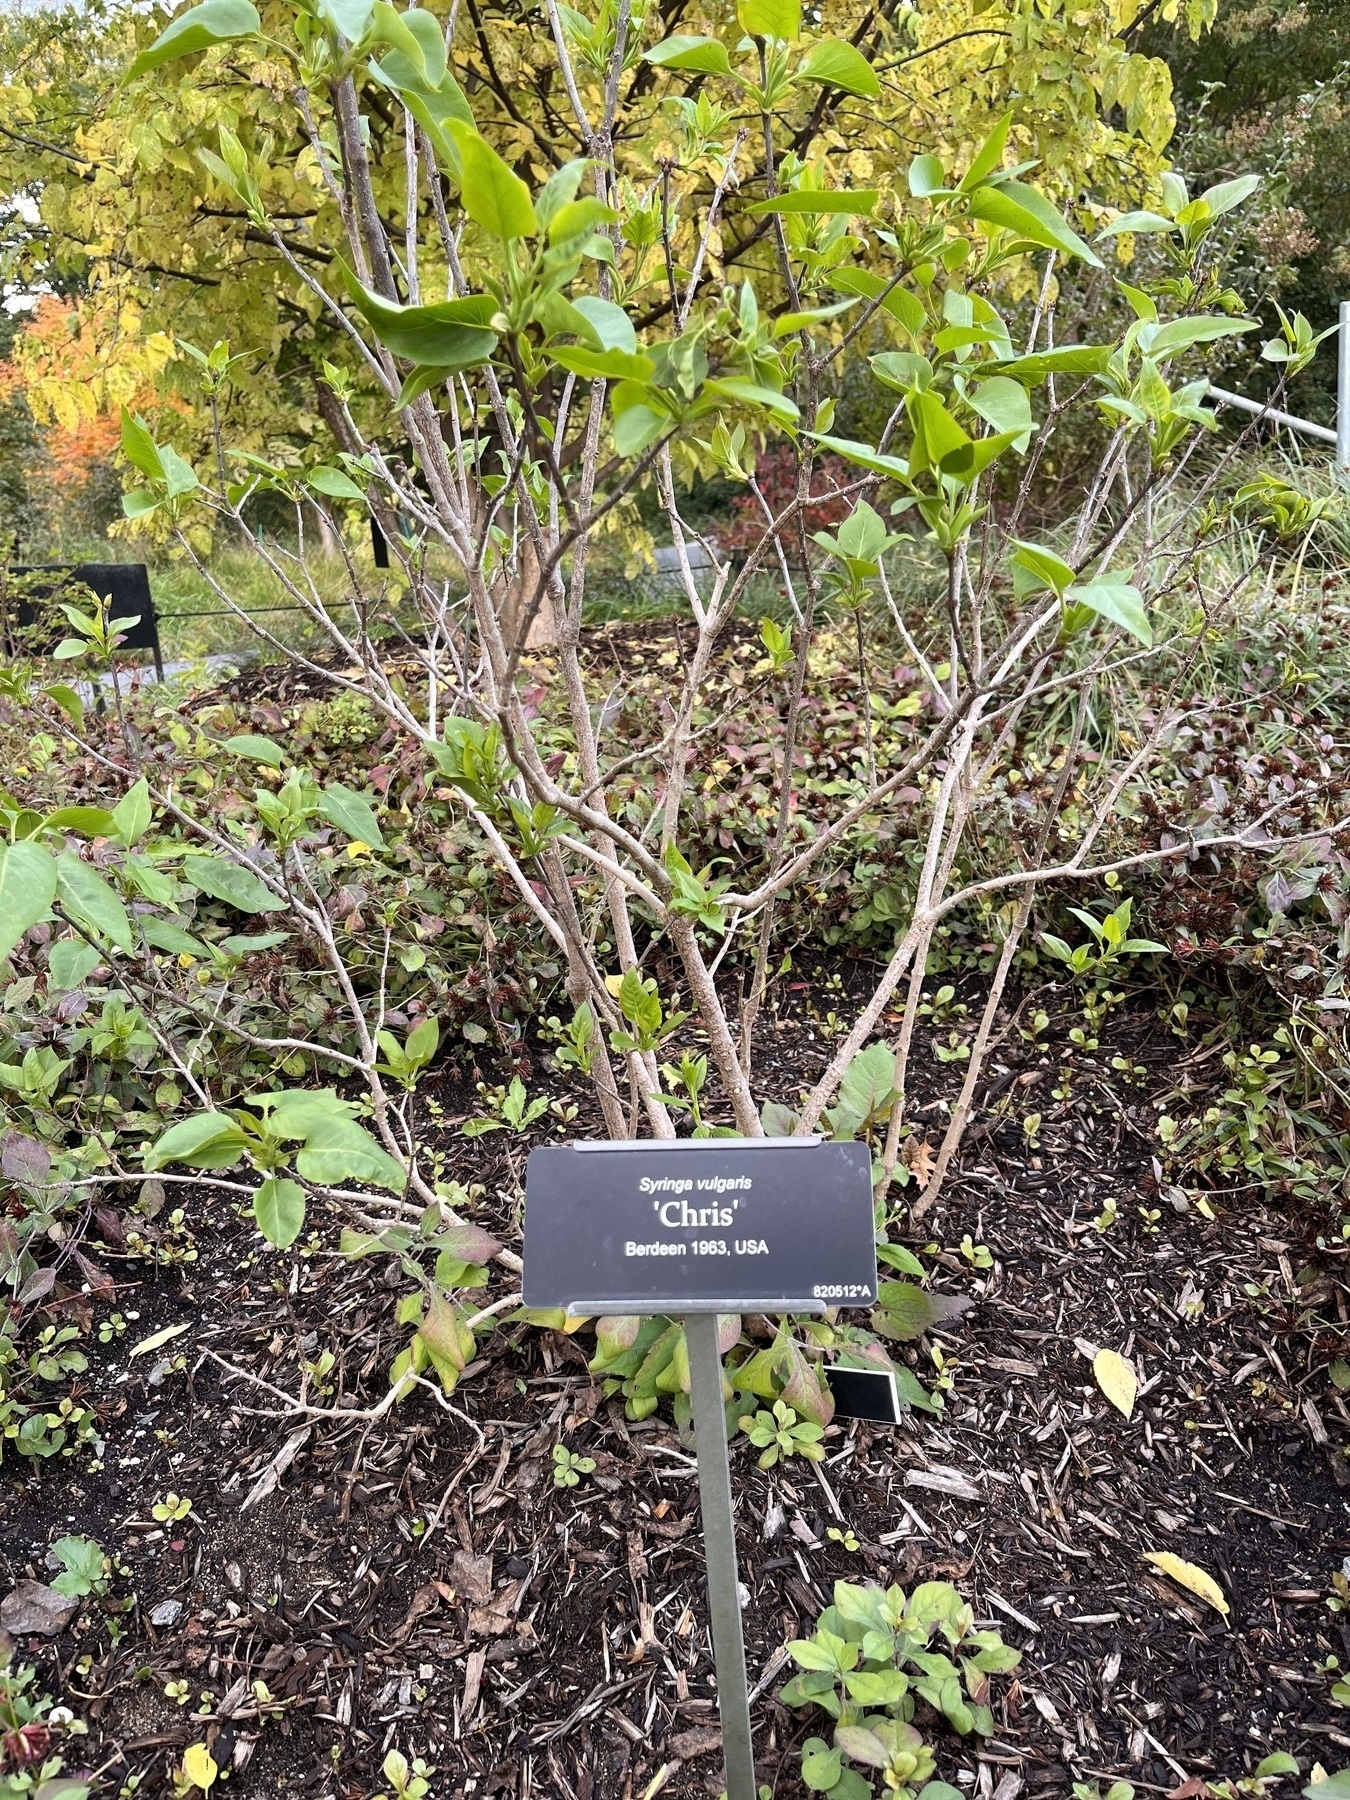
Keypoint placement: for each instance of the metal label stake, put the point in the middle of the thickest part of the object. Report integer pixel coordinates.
(719, 1547)
(689, 1228)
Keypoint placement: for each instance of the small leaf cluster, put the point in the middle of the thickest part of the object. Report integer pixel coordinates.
(867, 1663)
(569, 1466)
(313, 1129)
(779, 1434)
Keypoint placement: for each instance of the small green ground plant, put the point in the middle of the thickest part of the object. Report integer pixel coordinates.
(34, 1732)
(868, 1663)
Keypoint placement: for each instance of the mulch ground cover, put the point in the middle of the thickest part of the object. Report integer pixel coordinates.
(415, 1578)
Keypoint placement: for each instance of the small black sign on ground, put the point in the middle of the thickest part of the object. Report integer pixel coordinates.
(864, 1394)
(29, 596)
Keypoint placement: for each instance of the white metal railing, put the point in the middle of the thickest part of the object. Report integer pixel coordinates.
(1340, 437)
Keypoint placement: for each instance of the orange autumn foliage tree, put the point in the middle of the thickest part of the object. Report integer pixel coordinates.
(76, 364)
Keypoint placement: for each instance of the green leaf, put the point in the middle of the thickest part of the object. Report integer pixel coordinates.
(334, 483)
(162, 934)
(1279, 1762)
(138, 503)
(1139, 222)
(579, 218)
(869, 1082)
(89, 900)
(338, 1150)
(751, 393)
(279, 1211)
(834, 63)
(702, 55)
(132, 816)
(68, 700)
(911, 1391)
(249, 946)
(636, 427)
(69, 961)
(1180, 334)
(864, 456)
(1072, 359)
(416, 34)
(257, 749)
(237, 887)
(780, 19)
(808, 1653)
(493, 195)
(1043, 567)
(938, 440)
(83, 1564)
(813, 1688)
(879, 1687)
(350, 17)
(786, 323)
(559, 191)
(1335, 1787)
(1223, 199)
(908, 1310)
(137, 444)
(602, 365)
(179, 476)
(85, 821)
(821, 1766)
(1003, 403)
(926, 176)
(208, 1141)
(213, 22)
(1015, 207)
(895, 1256)
(296, 1112)
(352, 813)
(451, 334)
(988, 158)
(612, 327)
(896, 301)
(1117, 601)
(422, 380)
(432, 106)
(860, 202)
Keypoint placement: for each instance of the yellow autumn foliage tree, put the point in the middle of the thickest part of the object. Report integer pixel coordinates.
(126, 208)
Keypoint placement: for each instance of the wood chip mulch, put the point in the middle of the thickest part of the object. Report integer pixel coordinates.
(419, 1581)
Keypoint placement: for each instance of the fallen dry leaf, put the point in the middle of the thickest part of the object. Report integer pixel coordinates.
(32, 1608)
(1116, 1379)
(1187, 1575)
(472, 1576)
(920, 1158)
(701, 1741)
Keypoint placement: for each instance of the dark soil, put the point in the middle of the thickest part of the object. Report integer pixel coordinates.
(417, 1579)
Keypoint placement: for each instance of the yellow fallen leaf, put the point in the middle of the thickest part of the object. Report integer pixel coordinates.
(1116, 1379)
(1186, 1575)
(157, 1338)
(199, 1767)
